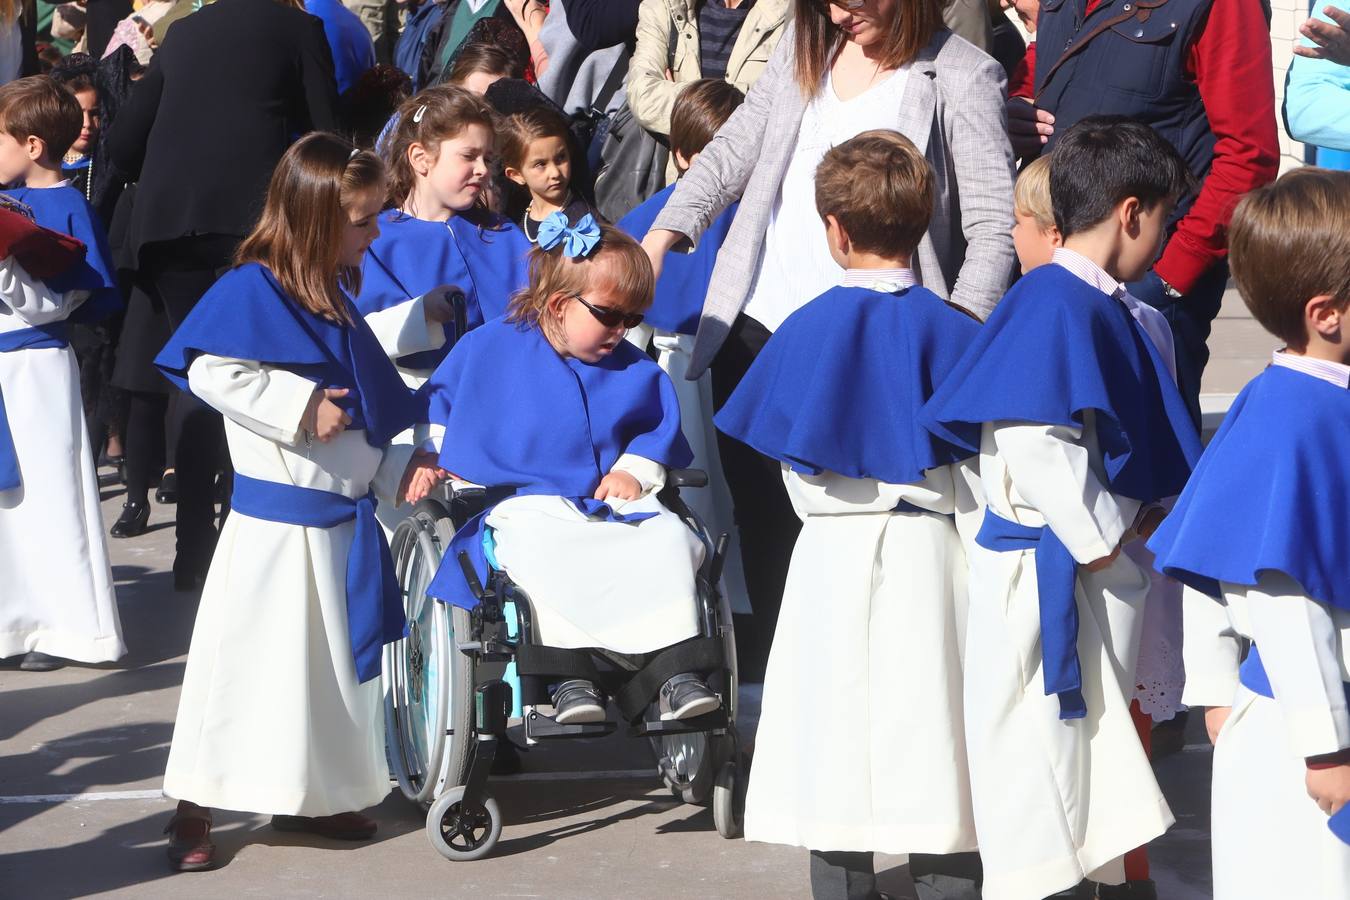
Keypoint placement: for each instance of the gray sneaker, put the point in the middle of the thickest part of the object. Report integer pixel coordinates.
(686, 696)
(578, 702)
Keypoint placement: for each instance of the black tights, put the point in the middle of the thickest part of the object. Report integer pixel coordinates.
(144, 443)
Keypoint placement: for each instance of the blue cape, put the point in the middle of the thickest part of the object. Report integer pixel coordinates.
(1270, 493)
(353, 49)
(246, 315)
(684, 276)
(1056, 346)
(488, 261)
(839, 385)
(64, 209)
(520, 419)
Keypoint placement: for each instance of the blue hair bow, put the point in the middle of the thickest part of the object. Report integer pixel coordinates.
(577, 240)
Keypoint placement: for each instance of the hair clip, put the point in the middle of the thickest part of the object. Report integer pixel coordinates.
(578, 240)
(351, 156)
(417, 116)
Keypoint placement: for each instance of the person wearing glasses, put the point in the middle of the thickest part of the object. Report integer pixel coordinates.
(571, 429)
(842, 68)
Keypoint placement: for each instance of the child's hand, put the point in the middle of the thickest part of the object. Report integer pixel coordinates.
(436, 305)
(1215, 716)
(323, 418)
(618, 486)
(420, 478)
(1330, 787)
(1098, 564)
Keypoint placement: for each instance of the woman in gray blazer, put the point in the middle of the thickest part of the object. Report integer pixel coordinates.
(841, 68)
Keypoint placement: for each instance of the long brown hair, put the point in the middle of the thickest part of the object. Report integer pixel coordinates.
(818, 40)
(436, 114)
(299, 235)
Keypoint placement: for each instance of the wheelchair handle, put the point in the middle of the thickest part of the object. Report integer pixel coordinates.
(687, 478)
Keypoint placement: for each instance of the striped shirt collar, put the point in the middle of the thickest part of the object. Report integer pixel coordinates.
(1324, 369)
(1087, 270)
(887, 281)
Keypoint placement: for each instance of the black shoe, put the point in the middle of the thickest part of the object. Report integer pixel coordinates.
(578, 702)
(41, 662)
(686, 696)
(133, 522)
(167, 492)
(1130, 890)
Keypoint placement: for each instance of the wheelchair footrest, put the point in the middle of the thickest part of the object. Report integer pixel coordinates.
(539, 727)
(713, 721)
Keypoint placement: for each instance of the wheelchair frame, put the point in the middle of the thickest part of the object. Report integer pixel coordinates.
(460, 732)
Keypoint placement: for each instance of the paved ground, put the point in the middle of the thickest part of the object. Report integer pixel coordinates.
(82, 751)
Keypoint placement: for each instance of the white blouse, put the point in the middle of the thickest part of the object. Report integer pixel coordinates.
(795, 265)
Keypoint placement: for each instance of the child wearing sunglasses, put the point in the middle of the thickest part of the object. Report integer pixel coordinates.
(571, 429)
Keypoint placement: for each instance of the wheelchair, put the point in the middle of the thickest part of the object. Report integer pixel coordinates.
(449, 697)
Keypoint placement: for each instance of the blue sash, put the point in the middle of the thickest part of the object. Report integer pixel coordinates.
(39, 337)
(374, 602)
(1253, 676)
(1056, 572)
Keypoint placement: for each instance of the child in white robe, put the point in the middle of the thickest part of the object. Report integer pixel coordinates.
(860, 747)
(1259, 537)
(280, 710)
(57, 600)
(1083, 432)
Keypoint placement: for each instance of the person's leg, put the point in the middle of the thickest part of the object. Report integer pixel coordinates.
(950, 876)
(843, 875)
(144, 442)
(764, 516)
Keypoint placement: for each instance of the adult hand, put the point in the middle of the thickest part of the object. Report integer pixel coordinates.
(1098, 564)
(1329, 787)
(658, 243)
(1027, 10)
(1028, 127)
(1331, 39)
(323, 418)
(1215, 716)
(421, 477)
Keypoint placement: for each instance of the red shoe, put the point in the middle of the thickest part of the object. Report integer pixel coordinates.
(190, 848)
(348, 826)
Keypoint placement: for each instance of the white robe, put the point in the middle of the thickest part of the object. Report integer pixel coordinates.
(272, 718)
(1260, 805)
(713, 503)
(56, 585)
(1055, 800)
(403, 329)
(622, 587)
(861, 743)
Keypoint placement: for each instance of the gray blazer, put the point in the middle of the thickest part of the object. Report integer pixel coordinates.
(953, 111)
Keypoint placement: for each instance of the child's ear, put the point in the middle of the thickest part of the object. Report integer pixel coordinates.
(836, 235)
(35, 147)
(1325, 315)
(1130, 210)
(556, 301)
(1054, 237)
(514, 174)
(420, 159)
(684, 163)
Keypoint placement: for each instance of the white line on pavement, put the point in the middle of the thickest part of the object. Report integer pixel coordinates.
(77, 798)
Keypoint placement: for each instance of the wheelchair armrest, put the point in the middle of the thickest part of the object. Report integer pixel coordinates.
(686, 478)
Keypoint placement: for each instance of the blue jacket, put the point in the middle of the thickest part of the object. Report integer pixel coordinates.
(353, 49)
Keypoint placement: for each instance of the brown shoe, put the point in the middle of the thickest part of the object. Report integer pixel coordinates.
(190, 848)
(349, 826)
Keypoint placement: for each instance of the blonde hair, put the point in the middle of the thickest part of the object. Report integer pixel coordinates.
(1031, 194)
(436, 114)
(299, 235)
(618, 262)
(1289, 242)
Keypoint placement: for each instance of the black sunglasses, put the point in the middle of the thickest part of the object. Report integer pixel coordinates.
(611, 318)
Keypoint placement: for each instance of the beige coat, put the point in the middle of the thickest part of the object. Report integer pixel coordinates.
(667, 38)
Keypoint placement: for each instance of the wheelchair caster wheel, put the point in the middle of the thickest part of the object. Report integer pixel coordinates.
(728, 799)
(463, 832)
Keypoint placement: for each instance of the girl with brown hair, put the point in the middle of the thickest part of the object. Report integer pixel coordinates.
(280, 709)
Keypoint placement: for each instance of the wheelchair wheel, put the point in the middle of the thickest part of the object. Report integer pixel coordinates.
(427, 681)
(728, 797)
(463, 832)
(687, 765)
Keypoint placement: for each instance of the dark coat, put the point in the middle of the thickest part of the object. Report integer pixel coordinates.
(231, 88)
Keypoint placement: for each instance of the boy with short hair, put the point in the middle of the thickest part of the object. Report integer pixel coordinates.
(58, 600)
(1081, 432)
(1260, 530)
(700, 110)
(871, 628)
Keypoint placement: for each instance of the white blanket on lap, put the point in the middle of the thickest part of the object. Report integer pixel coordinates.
(623, 587)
